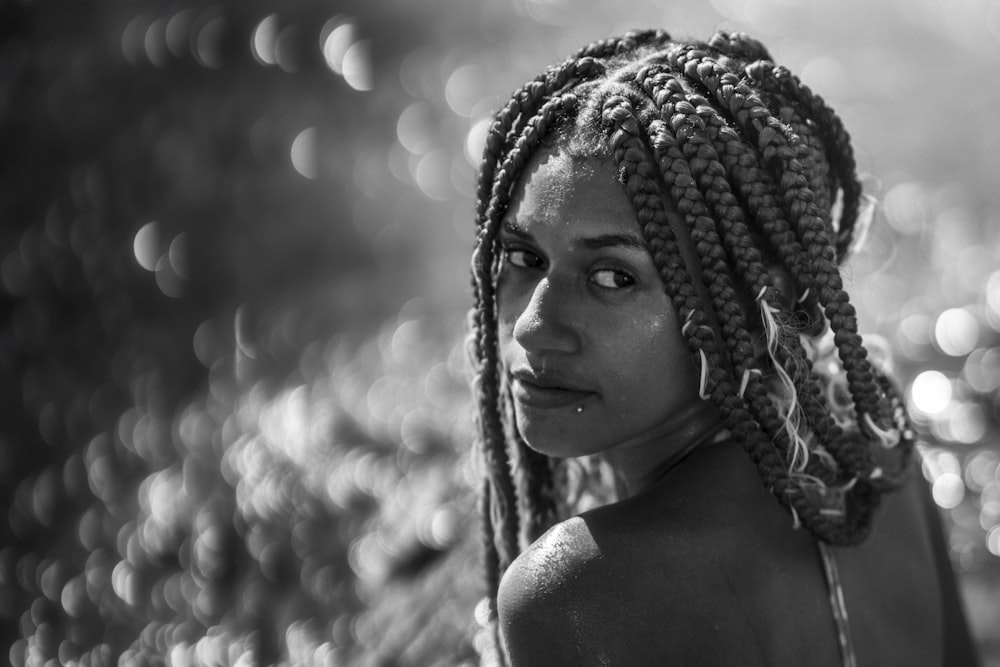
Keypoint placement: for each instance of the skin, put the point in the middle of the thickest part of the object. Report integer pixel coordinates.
(698, 564)
(587, 334)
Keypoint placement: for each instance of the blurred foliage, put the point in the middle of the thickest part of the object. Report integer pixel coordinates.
(233, 251)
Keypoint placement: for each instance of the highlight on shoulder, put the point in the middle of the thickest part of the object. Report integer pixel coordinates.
(549, 596)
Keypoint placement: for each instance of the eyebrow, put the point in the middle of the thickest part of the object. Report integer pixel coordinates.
(630, 241)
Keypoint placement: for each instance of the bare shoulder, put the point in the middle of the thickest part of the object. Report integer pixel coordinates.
(552, 568)
(600, 589)
(550, 594)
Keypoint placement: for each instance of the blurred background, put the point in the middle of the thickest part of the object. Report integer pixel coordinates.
(233, 280)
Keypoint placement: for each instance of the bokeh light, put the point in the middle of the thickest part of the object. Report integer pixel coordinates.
(146, 246)
(982, 370)
(930, 393)
(948, 490)
(993, 298)
(415, 127)
(465, 89)
(263, 39)
(906, 207)
(347, 54)
(956, 332)
(337, 37)
(475, 141)
(304, 153)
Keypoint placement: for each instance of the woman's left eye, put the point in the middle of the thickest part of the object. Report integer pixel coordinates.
(522, 258)
(611, 279)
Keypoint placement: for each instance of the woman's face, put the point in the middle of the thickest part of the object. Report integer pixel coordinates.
(588, 337)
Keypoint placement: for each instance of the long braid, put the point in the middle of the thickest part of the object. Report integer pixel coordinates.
(823, 131)
(782, 153)
(789, 357)
(755, 194)
(630, 155)
(856, 458)
(739, 242)
(835, 279)
(491, 558)
(533, 482)
(489, 380)
(781, 431)
(814, 165)
(836, 140)
(679, 111)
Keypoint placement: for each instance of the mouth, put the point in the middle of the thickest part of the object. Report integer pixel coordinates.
(546, 392)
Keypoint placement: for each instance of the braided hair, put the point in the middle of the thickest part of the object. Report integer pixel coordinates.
(763, 174)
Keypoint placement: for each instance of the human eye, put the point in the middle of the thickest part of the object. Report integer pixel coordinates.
(612, 278)
(521, 257)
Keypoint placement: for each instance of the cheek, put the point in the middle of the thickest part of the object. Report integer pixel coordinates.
(507, 314)
(507, 346)
(655, 362)
(657, 339)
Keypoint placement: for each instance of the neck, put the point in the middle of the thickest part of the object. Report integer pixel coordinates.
(643, 460)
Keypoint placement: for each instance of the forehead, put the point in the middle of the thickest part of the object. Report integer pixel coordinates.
(558, 188)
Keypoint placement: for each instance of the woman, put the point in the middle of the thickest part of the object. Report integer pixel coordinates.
(657, 287)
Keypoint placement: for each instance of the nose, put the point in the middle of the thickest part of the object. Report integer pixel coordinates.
(547, 323)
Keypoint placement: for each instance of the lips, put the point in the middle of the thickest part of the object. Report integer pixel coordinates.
(546, 391)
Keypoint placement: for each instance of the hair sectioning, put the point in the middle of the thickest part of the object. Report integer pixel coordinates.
(763, 174)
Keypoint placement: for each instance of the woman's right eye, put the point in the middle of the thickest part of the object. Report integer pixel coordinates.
(522, 258)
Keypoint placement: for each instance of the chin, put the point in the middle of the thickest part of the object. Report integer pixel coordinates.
(555, 452)
(562, 445)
